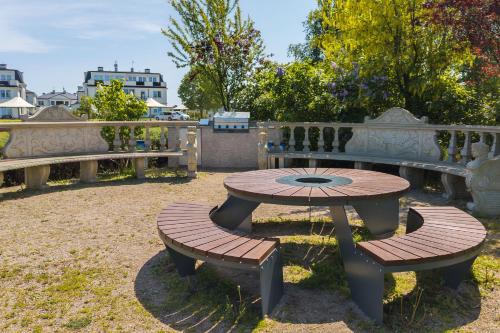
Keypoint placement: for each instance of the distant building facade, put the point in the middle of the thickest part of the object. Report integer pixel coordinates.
(57, 98)
(143, 85)
(11, 85)
(31, 97)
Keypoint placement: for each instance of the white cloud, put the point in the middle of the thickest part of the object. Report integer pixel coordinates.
(14, 41)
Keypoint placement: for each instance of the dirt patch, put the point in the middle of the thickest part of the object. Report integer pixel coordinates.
(88, 258)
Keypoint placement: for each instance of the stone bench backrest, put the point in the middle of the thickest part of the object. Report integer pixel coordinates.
(416, 144)
(37, 141)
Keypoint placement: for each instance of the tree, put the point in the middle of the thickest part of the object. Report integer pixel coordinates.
(113, 104)
(198, 93)
(86, 107)
(212, 38)
(474, 22)
(392, 38)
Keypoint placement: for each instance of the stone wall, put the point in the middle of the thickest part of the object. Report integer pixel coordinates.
(229, 150)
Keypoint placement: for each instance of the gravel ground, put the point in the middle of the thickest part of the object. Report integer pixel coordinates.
(107, 230)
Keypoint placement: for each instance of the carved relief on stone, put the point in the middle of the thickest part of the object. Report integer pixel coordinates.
(55, 140)
(417, 144)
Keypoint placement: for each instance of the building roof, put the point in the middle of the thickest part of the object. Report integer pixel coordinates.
(18, 74)
(89, 73)
(152, 103)
(62, 94)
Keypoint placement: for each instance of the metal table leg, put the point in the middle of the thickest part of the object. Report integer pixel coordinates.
(235, 213)
(380, 216)
(365, 278)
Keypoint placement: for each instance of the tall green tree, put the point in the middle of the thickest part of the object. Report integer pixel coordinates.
(197, 92)
(394, 38)
(212, 37)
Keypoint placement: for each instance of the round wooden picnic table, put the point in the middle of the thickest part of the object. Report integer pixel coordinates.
(374, 195)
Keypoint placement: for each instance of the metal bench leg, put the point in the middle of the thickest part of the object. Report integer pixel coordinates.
(380, 216)
(366, 281)
(454, 275)
(185, 265)
(365, 277)
(235, 213)
(271, 282)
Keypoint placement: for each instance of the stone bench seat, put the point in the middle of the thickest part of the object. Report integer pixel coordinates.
(37, 169)
(189, 235)
(436, 237)
(438, 166)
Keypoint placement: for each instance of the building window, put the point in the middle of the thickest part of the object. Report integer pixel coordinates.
(5, 77)
(66, 103)
(5, 94)
(143, 95)
(40, 103)
(52, 103)
(157, 94)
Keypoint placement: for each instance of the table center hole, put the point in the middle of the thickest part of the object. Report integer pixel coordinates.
(313, 180)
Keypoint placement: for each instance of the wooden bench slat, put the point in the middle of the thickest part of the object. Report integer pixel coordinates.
(408, 248)
(418, 245)
(259, 253)
(205, 248)
(432, 243)
(451, 234)
(397, 251)
(176, 233)
(219, 251)
(458, 243)
(198, 239)
(242, 249)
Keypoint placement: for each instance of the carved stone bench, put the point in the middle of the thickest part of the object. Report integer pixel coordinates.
(395, 138)
(53, 135)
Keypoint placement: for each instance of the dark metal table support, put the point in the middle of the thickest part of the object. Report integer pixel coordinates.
(235, 214)
(366, 281)
(381, 216)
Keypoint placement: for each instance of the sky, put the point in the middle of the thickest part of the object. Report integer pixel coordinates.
(55, 41)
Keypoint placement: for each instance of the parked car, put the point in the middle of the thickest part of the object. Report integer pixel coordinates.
(172, 115)
(6, 116)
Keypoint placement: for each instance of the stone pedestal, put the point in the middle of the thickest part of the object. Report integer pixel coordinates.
(281, 162)
(140, 168)
(36, 177)
(363, 165)
(88, 171)
(454, 187)
(262, 149)
(413, 175)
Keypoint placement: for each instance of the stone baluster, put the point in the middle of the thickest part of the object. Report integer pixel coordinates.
(131, 141)
(336, 141)
(147, 139)
(163, 140)
(452, 147)
(466, 150)
(262, 149)
(192, 152)
(173, 145)
(306, 142)
(291, 142)
(495, 146)
(482, 137)
(117, 142)
(321, 140)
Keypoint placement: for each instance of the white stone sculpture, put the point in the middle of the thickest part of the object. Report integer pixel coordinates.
(483, 181)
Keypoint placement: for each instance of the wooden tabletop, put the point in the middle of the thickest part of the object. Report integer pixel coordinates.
(314, 186)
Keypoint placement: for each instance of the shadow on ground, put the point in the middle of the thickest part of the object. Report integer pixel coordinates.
(316, 291)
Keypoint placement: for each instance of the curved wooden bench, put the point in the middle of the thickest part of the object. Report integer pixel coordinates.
(436, 237)
(37, 169)
(189, 234)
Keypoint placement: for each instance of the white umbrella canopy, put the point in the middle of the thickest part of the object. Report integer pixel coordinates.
(152, 103)
(16, 102)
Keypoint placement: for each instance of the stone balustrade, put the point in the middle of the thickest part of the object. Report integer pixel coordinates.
(396, 137)
(56, 135)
